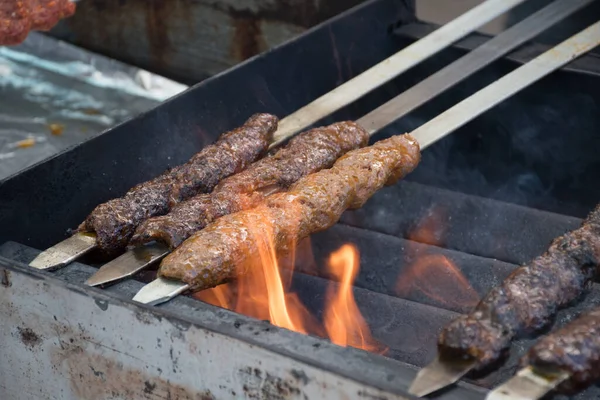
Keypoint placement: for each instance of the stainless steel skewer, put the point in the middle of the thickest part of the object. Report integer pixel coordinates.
(138, 259)
(70, 249)
(437, 375)
(528, 384)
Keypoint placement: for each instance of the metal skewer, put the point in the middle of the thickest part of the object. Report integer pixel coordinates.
(65, 252)
(129, 264)
(441, 373)
(528, 384)
(391, 67)
(338, 98)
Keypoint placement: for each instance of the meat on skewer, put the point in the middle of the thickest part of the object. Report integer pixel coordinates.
(528, 298)
(566, 361)
(115, 221)
(575, 349)
(306, 153)
(19, 17)
(314, 203)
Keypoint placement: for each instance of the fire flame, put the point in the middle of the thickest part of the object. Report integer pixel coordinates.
(263, 292)
(343, 321)
(435, 275)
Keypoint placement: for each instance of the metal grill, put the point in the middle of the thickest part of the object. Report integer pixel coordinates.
(492, 196)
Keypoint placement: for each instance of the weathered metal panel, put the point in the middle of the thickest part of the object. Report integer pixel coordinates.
(62, 344)
(192, 39)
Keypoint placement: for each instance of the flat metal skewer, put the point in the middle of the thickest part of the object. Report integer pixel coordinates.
(437, 375)
(160, 291)
(127, 265)
(65, 252)
(528, 384)
(391, 67)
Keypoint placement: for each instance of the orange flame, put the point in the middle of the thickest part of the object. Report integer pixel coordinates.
(343, 321)
(263, 292)
(218, 296)
(434, 275)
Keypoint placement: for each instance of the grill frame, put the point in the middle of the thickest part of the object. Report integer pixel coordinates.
(73, 182)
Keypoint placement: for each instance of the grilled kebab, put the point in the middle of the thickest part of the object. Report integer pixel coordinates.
(314, 203)
(528, 298)
(115, 221)
(19, 17)
(305, 154)
(575, 349)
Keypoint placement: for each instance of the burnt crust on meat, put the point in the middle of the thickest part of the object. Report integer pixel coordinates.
(528, 299)
(307, 153)
(115, 221)
(575, 348)
(224, 248)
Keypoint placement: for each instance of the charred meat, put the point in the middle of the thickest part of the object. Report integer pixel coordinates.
(115, 221)
(314, 203)
(305, 154)
(528, 299)
(19, 17)
(575, 349)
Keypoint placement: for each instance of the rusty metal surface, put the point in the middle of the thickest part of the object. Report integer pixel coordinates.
(192, 39)
(62, 341)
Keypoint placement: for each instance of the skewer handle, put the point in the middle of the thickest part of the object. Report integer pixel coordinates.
(391, 67)
(469, 64)
(495, 93)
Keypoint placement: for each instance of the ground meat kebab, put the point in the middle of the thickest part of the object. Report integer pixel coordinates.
(528, 298)
(575, 348)
(115, 221)
(305, 154)
(213, 255)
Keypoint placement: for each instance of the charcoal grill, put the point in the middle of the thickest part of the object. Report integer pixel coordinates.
(497, 190)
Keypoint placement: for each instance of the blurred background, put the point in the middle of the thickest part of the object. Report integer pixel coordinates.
(117, 58)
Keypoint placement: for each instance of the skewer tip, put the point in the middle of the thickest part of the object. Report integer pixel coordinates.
(527, 384)
(64, 252)
(128, 264)
(439, 374)
(160, 291)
